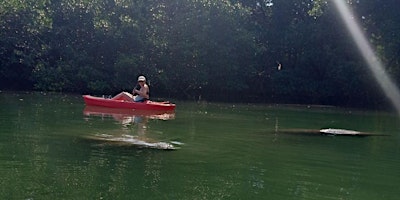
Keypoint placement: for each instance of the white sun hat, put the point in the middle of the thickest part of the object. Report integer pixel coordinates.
(141, 78)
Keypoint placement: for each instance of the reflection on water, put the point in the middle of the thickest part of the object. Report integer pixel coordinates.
(130, 118)
(126, 116)
(229, 153)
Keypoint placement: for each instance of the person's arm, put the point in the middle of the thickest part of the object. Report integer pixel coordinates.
(144, 92)
(136, 89)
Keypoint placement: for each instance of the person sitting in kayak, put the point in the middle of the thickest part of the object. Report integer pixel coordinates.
(139, 93)
(143, 92)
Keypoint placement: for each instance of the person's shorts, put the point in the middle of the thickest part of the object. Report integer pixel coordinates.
(139, 99)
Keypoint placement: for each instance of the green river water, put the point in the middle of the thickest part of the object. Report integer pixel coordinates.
(51, 148)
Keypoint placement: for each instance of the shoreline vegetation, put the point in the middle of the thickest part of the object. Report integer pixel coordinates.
(272, 52)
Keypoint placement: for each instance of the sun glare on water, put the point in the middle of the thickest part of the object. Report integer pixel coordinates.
(388, 86)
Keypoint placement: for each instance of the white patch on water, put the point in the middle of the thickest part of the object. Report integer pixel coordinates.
(339, 131)
(177, 143)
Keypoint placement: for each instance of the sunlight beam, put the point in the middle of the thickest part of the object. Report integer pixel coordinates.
(388, 86)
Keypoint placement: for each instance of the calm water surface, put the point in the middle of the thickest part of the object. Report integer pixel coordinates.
(51, 148)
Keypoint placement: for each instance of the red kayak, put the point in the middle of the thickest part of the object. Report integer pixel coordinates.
(114, 103)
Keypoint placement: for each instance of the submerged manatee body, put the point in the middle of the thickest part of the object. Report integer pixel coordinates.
(328, 131)
(128, 140)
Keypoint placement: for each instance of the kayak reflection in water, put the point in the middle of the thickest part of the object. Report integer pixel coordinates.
(140, 93)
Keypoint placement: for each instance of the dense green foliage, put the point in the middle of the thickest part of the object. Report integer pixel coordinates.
(214, 49)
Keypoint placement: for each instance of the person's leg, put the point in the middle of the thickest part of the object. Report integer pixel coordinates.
(123, 96)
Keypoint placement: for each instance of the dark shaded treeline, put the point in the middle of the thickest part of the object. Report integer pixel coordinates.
(225, 50)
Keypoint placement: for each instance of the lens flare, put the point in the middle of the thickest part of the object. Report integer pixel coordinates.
(374, 64)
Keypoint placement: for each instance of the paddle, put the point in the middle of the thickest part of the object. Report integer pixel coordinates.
(137, 87)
